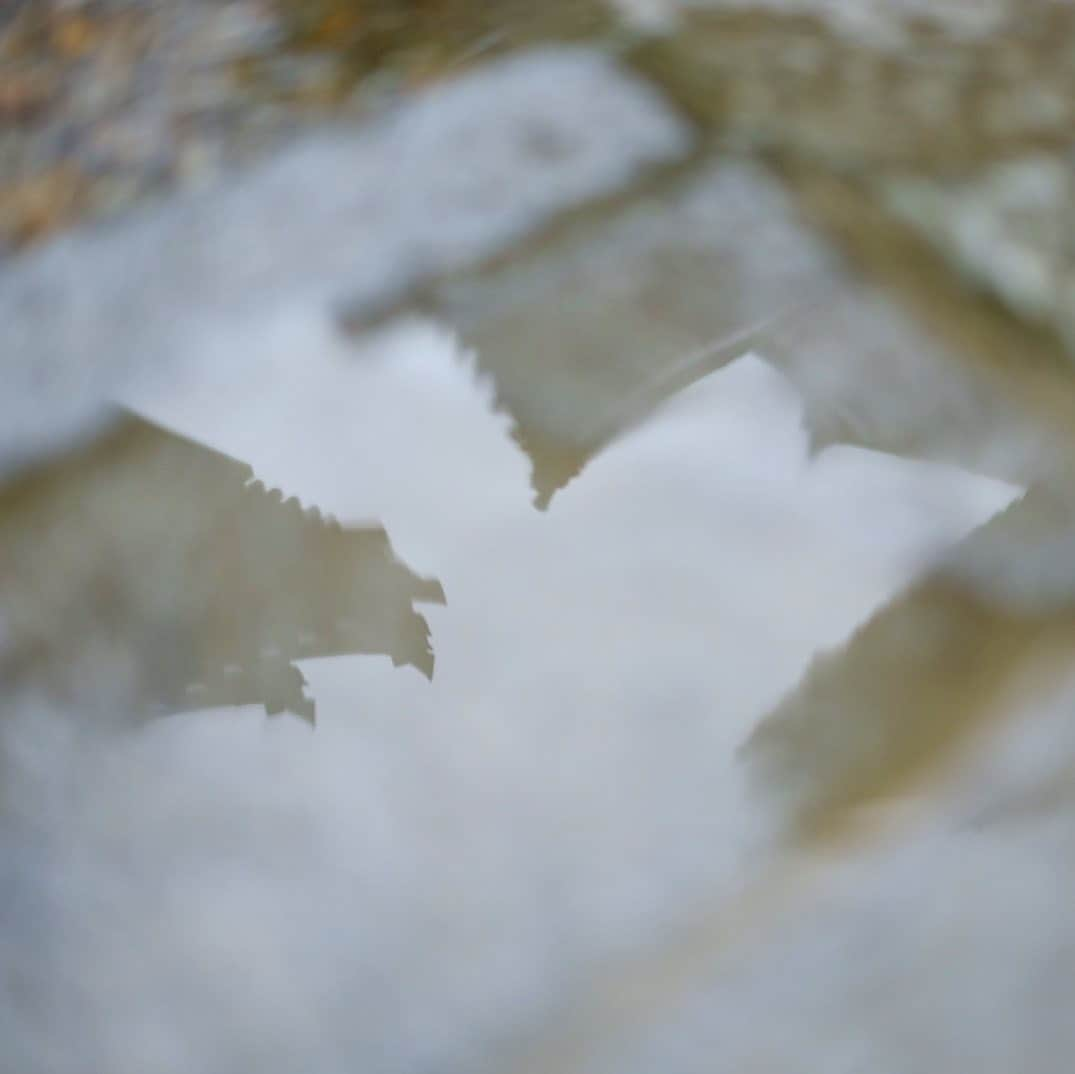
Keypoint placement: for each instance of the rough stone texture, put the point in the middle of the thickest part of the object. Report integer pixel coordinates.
(587, 335)
(950, 945)
(133, 518)
(1011, 230)
(442, 184)
(590, 332)
(995, 613)
(790, 84)
(882, 21)
(109, 103)
(974, 148)
(105, 103)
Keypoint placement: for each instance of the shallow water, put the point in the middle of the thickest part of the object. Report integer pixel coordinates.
(440, 861)
(656, 656)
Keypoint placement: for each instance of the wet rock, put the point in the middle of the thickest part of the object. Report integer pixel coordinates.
(94, 543)
(882, 21)
(1009, 229)
(252, 73)
(586, 334)
(789, 83)
(907, 968)
(38, 205)
(563, 793)
(429, 38)
(946, 943)
(75, 73)
(24, 95)
(547, 856)
(447, 181)
(926, 674)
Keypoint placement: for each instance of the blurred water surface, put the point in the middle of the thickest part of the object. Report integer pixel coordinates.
(642, 643)
(439, 858)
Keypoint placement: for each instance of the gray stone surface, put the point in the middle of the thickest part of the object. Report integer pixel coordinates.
(877, 20)
(564, 852)
(448, 180)
(589, 333)
(1010, 229)
(791, 82)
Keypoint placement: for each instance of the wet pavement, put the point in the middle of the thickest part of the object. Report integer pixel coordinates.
(582, 592)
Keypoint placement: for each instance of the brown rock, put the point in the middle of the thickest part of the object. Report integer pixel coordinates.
(24, 95)
(32, 207)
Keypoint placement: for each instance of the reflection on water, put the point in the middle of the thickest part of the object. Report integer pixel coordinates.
(980, 637)
(556, 461)
(749, 744)
(448, 854)
(194, 579)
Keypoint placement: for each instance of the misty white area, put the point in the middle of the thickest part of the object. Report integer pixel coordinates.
(437, 862)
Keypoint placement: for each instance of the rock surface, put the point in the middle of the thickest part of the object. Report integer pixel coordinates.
(338, 219)
(752, 751)
(1010, 230)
